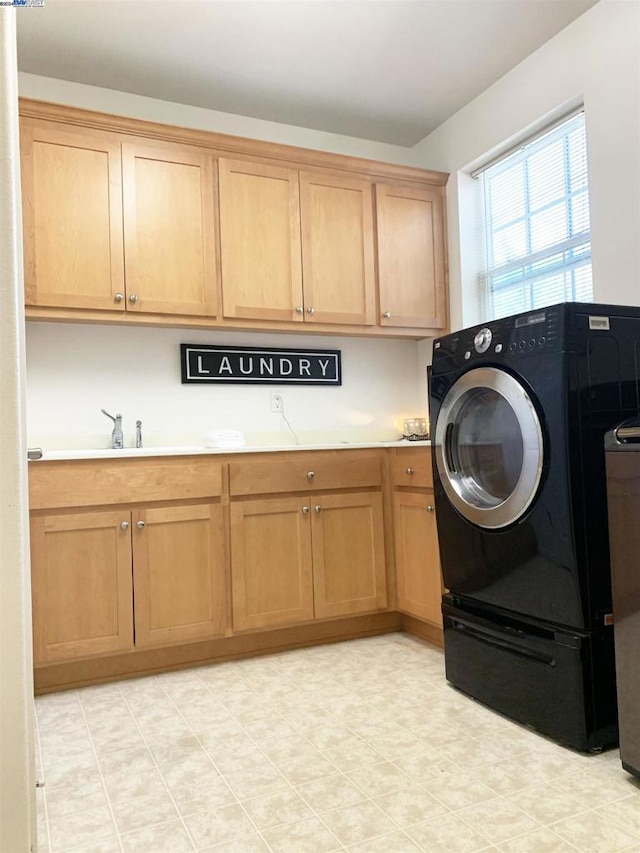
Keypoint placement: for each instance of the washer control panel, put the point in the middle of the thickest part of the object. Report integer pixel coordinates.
(523, 335)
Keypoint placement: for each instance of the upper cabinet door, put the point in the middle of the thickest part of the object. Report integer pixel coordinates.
(260, 241)
(169, 226)
(337, 249)
(72, 211)
(411, 252)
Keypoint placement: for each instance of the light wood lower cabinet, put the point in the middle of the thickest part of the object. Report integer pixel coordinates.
(418, 573)
(348, 554)
(119, 580)
(272, 580)
(81, 585)
(178, 579)
(294, 559)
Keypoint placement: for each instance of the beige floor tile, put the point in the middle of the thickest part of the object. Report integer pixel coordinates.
(426, 764)
(410, 805)
(121, 761)
(197, 769)
(256, 781)
(136, 784)
(506, 777)
(248, 844)
(392, 842)
(396, 745)
(591, 832)
(378, 779)
(545, 804)
(329, 736)
(447, 834)
(596, 788)
(279, 807)
(352, 755)
(457, 791)
(61, 803)
(192, 798)
(108, 845)
(625, 813)
(542, 840)
(305, 769)
(498, 819)
(81, 828)
(170, 837)
(219, 825)
(330, 793)
(306, 836)
(358, 822)
(168, 750)
(144, 811)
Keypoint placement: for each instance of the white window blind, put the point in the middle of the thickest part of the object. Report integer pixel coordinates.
(538, 241)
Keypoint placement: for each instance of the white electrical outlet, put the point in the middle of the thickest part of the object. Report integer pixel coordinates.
(277, 403)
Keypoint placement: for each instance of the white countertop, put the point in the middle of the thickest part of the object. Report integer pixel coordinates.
(195, 450)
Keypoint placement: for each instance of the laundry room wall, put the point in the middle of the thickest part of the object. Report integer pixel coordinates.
(595, 60)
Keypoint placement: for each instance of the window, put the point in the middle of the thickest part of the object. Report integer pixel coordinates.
(536, 205)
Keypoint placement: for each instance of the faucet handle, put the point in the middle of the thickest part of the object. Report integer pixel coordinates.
(110, 416)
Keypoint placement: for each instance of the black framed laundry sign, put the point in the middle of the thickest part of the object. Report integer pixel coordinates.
(207, 365)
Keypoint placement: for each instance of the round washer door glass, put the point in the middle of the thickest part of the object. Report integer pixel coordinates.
(489, 447)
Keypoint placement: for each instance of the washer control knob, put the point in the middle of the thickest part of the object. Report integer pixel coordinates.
(498, 348)
(467, 355)
(482, 340)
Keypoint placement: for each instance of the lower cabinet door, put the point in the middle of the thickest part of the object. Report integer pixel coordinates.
(178, 575)
(271, 563)
(348, 554)
(81, 578)
(417, 557)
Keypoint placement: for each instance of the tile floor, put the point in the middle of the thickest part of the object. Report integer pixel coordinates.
(358, 746)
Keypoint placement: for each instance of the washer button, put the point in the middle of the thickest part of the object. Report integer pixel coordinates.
(498, 347)
(522, 344)
(467, 355)
(532, 342)
(542, 341)
(513, 346)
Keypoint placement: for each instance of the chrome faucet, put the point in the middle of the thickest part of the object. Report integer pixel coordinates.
(117, 438)
(138, 433)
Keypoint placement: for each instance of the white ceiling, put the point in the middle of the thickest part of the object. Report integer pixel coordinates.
(387, 70)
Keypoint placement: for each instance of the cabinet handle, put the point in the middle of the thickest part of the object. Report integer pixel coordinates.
(124, 525)
(305, 509)
(311, 310)
(387, 315)
(318, 508)
(311, 475)
(431, 509)
(118, 297)
(140, 524)
(133, 298)
(409, 470)
(299, 309)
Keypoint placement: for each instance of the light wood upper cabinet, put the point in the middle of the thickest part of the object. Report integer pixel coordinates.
(169, 229)
(419, 577)
(411, 256)
(271, 563)
(81, 584)
(337, 249)
(178, 574)
(348, 554)
(72, 213)
(260, 241)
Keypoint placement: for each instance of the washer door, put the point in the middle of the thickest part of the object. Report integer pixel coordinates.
(489, 447)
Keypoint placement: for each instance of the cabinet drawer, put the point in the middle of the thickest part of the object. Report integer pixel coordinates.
(301, 472)
(98, 482)
(411, 466)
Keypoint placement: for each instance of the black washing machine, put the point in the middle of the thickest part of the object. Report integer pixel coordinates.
(519, 409)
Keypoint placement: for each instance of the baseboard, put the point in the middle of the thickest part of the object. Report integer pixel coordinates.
(424, 630)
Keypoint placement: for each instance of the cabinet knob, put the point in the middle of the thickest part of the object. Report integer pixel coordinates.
(118, 297)
(311, 310)
(409, 470)
(299, 309)
(311, 475)
(387, 315)
(140, 524)
(305, 509)
(124, 525)
(133, 298)
(431, 509)
(318, 508)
